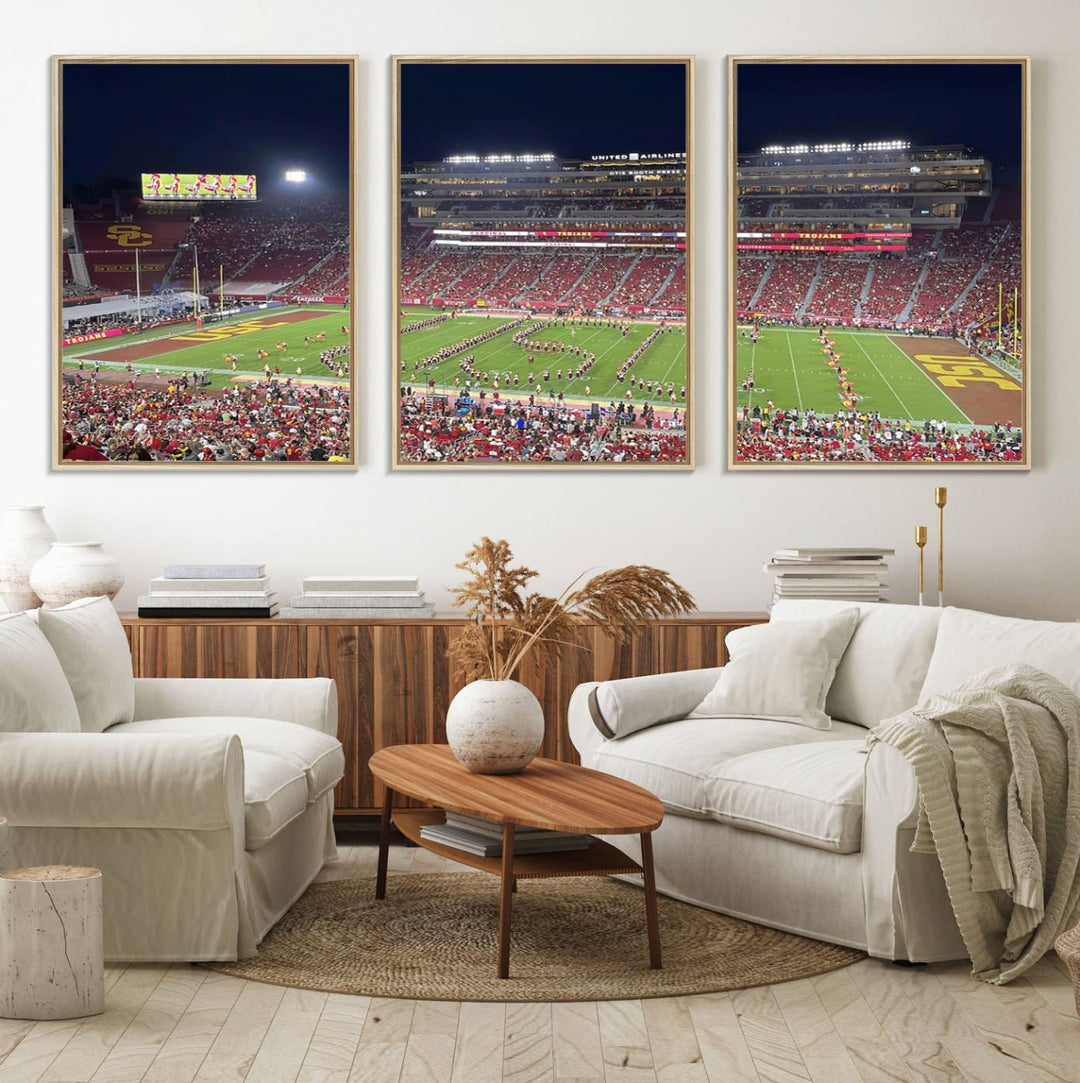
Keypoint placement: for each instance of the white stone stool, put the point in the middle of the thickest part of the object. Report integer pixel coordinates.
(52, 954)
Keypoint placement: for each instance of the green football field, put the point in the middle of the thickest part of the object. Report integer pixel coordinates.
(171, 349)
(790, 369)
(664, 360)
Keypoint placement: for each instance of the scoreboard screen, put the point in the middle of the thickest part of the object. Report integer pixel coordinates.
(832, 241)
(199, 186)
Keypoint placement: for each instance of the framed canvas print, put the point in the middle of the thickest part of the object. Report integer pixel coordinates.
(542, 272)
(203, 262)
(879, 274)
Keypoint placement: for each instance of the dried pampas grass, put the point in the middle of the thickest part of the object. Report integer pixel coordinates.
(509, 623)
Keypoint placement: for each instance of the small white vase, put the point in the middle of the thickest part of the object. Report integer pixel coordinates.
(495, 727)
(74, 570)
(25, 536)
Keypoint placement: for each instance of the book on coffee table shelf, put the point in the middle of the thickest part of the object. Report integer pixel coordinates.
(484, 837)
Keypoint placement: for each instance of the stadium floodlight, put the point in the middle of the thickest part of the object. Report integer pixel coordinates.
(295, 176)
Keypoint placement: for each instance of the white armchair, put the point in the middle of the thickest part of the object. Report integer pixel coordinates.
(207, 804)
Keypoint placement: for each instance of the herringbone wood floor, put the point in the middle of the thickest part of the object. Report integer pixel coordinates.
(871, 1021)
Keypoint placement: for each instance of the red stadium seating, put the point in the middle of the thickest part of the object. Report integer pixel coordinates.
(839, 286)
(785, 288)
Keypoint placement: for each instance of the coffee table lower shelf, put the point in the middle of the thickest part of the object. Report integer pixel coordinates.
(599, 859)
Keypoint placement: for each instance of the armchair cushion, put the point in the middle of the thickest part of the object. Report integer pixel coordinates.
(275, 793)
(34, 693)
(317, 755)
(90, 642)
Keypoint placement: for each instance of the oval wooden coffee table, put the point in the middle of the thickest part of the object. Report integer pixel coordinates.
(547, 794)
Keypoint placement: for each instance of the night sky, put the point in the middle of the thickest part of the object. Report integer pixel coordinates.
(121, 120)
(976, 104)
(569, 110)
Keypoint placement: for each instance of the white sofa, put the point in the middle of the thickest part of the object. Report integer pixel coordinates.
(804, 829)
(207, 804)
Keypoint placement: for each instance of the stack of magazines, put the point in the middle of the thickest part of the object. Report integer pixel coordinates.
(210, 590)
(484, 837)
(849, 575)
(360, 597)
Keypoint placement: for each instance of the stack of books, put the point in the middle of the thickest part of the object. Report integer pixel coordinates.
(210, 590)
(484, 837)
(360, 597)
(850, 575)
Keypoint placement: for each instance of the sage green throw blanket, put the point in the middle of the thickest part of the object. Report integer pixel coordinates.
(998, 767)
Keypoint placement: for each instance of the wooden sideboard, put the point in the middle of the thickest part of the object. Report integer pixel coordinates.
(394, 682)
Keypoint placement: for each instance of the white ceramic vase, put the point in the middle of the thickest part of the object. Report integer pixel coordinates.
(495, 727)
(74, 570)
(25, 536)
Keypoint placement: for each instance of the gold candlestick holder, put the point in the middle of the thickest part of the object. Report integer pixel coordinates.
(941, 495)
(920, 541)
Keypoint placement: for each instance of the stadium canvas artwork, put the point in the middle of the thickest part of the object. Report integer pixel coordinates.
(542, 293)
(202, 316)
(878, 266)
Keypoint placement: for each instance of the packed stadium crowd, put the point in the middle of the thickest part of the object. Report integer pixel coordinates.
(265, 421)
(856, 437)
(441, 429)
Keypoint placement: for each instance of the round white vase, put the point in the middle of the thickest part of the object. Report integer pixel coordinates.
(25, 537)
(495, 727)
(74, 570)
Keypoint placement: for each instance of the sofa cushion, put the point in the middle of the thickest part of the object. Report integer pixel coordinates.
(970, 642)
(781, 671)
(886, 661)
(34, 694)
(680, 760)
(275, 793)
(808, 793)
(317, 754)
(93, 650)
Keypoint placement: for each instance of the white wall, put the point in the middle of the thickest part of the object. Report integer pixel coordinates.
(1012, 537)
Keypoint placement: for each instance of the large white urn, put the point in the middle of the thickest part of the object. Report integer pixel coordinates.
(74, 570)
(25, 537)
(495, 727)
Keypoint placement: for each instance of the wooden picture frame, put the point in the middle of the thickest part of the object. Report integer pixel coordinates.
(467, 418)
(123, 242)
(892, 241)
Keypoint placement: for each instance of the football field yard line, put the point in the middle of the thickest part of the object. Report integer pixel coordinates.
(918, 368)
(903, 405)
(794, 371)
(680, 355)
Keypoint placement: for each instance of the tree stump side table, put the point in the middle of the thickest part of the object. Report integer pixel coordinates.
(52, 954)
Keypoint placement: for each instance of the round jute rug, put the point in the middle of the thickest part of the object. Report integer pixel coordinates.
(434, 938)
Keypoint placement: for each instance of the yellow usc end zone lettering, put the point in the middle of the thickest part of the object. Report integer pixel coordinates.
(954, 372)
(216, 334)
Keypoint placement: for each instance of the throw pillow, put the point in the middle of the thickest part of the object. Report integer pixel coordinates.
(34, 694)
(781, 671)
(93, 649)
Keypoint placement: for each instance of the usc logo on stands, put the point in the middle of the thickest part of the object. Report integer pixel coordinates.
(129, 236)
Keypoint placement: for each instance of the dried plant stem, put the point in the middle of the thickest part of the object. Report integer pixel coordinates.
(518, 622)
